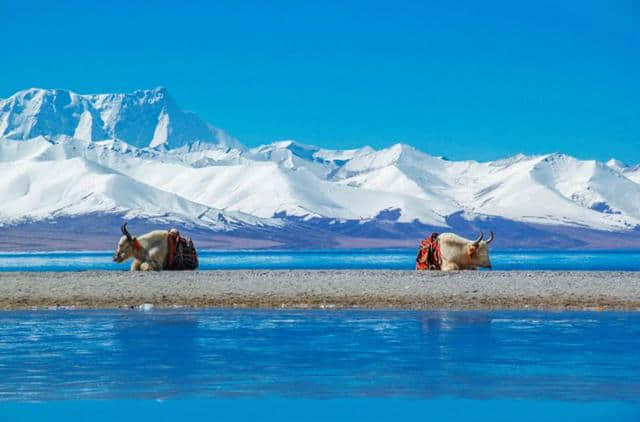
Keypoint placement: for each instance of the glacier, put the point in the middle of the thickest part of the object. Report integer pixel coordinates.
(138, 156)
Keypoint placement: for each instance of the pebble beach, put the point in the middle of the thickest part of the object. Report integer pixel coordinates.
(322, 289)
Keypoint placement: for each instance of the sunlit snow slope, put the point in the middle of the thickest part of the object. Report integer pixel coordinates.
(139, 155)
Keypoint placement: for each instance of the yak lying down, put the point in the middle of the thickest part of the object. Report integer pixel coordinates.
(157, 250)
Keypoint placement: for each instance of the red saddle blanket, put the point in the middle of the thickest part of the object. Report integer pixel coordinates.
(429, 255)
(182, 253)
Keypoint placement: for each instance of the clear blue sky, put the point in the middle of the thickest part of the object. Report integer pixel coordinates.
(463, 79)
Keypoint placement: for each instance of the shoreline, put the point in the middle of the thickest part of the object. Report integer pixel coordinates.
(324, 289)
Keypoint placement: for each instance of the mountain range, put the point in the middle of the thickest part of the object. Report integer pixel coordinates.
(75, 166)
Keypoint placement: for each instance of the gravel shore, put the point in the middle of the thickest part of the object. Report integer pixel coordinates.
(325, 289)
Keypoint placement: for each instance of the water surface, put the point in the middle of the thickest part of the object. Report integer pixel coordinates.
(320, 365)
(398, 259)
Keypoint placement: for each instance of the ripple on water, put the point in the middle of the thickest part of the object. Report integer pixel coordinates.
(318, 354)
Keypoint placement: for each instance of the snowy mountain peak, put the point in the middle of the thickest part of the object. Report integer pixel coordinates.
(140, 154)
(143, 118)
(616, 165)
(399, 155)
(511, 160)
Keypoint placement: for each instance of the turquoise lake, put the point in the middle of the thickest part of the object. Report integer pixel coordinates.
(329, 259)
(308, 365)
(223, 364)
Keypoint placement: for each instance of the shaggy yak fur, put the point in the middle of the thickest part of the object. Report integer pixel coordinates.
(149, 251)
(459, 253)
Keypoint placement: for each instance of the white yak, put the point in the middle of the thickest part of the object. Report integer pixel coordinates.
(149, 251)
(459, 253)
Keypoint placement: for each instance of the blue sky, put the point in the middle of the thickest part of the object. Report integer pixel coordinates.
(464, 79)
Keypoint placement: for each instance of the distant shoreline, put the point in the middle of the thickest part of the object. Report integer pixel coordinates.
(100, 231)
(324, 289)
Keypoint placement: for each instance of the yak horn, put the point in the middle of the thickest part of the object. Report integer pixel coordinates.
(125, 231)
(490, 237)
(478, 240)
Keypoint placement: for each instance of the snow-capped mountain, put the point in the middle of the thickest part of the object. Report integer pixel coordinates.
(144, 118)
(47, 179)
(632, 173)
(138, 156)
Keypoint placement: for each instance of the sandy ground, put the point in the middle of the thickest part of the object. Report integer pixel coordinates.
(325, 289)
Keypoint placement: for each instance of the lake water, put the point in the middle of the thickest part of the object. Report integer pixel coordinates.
(329, 259)
(247, 365)
(218, 364)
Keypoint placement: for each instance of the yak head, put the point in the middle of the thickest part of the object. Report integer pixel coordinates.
(125, 247)
(478, 251)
